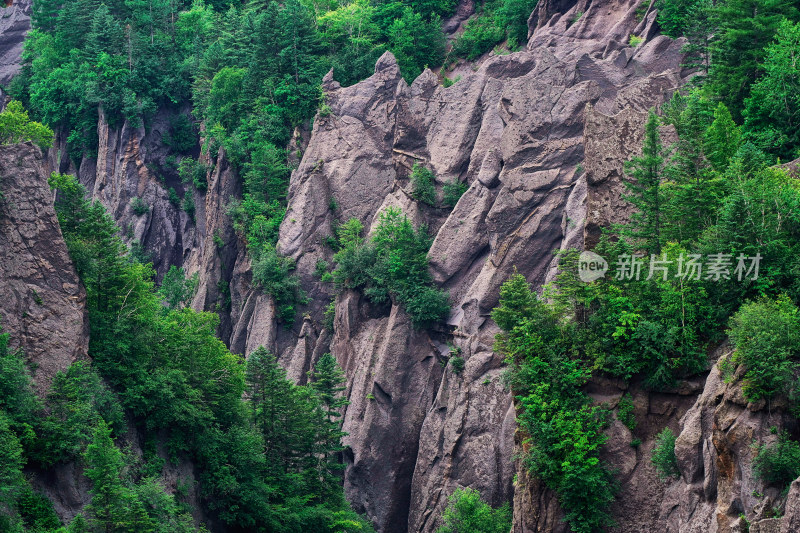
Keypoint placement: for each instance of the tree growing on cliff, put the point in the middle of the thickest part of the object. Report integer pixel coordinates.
(16, 127)
(645, 192)
(466, 512)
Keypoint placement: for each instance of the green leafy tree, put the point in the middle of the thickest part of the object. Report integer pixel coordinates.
(422, 184)
(16, 127)
(766, 334)
(176, 289)
(467, 513)
(777, 463)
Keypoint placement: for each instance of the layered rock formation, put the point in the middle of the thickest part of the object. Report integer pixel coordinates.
(516, 131)
(15, 21)
(42, 303)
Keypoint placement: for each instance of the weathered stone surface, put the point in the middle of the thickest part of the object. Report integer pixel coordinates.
(15, 21)
(515, 131)
(42, 303)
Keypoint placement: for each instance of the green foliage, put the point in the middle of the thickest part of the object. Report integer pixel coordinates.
(259, 462)
(139, 206)
(181, 136)
(78, 402)
(172, 196)
(393, 264)
(447, 82)
(422, 184)
(625, 412)
(772, 112)
(635, 40)
(766, 334)
(497, 21)
(674, 16)
(466, 512)
(663, 456)
(644, 190)
(457, 364)
(16, 127)
(176, 289)
(271, 272)
(114, 507)
(187, 204)
(563, 430)
(743, 29)
(777, 463)
(453, 190)
(194, 172)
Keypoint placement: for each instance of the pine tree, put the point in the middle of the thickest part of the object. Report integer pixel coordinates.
(114, 507)
(722, 139)
(745, 28)
(772, 113)
(644, 190)
(327, 381)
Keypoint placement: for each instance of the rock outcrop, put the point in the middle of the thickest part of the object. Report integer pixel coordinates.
(15, 21)
(539, 137)
(42, 302)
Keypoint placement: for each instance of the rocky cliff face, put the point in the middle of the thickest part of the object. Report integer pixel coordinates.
(15, 21)
(516, 131)
(539, 136)
(42, 302)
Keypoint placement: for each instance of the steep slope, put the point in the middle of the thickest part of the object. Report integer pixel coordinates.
(15, 21)
(514, 131)
(41, 298)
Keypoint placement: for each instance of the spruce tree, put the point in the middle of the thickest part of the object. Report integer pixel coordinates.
(745, 28)
(114, 507)
(327, 381)
(644, 190)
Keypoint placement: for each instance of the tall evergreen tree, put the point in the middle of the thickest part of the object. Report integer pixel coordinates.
(745, 28)
(114, 507)
(772, 113)
(327, 381)
(644, 190)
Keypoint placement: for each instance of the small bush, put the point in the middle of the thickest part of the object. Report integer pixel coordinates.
(766, 334)
(635, 41)
(188, 204)
(422, 186)
(394, 263)
(664, 455)
(453, 191)
(321, 268)
(172, 196)
(447, 82)
(778, 463)
(457, 363)
(625, 412)
(194, 172)
(467, 513)
(16, 127)
(272, 272)
(139, 206)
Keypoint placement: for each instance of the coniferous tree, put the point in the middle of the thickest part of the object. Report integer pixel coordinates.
(327, 381)
(772, 113)
(745, 28)
(114, 507)
(722, 139)
(644, 190)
